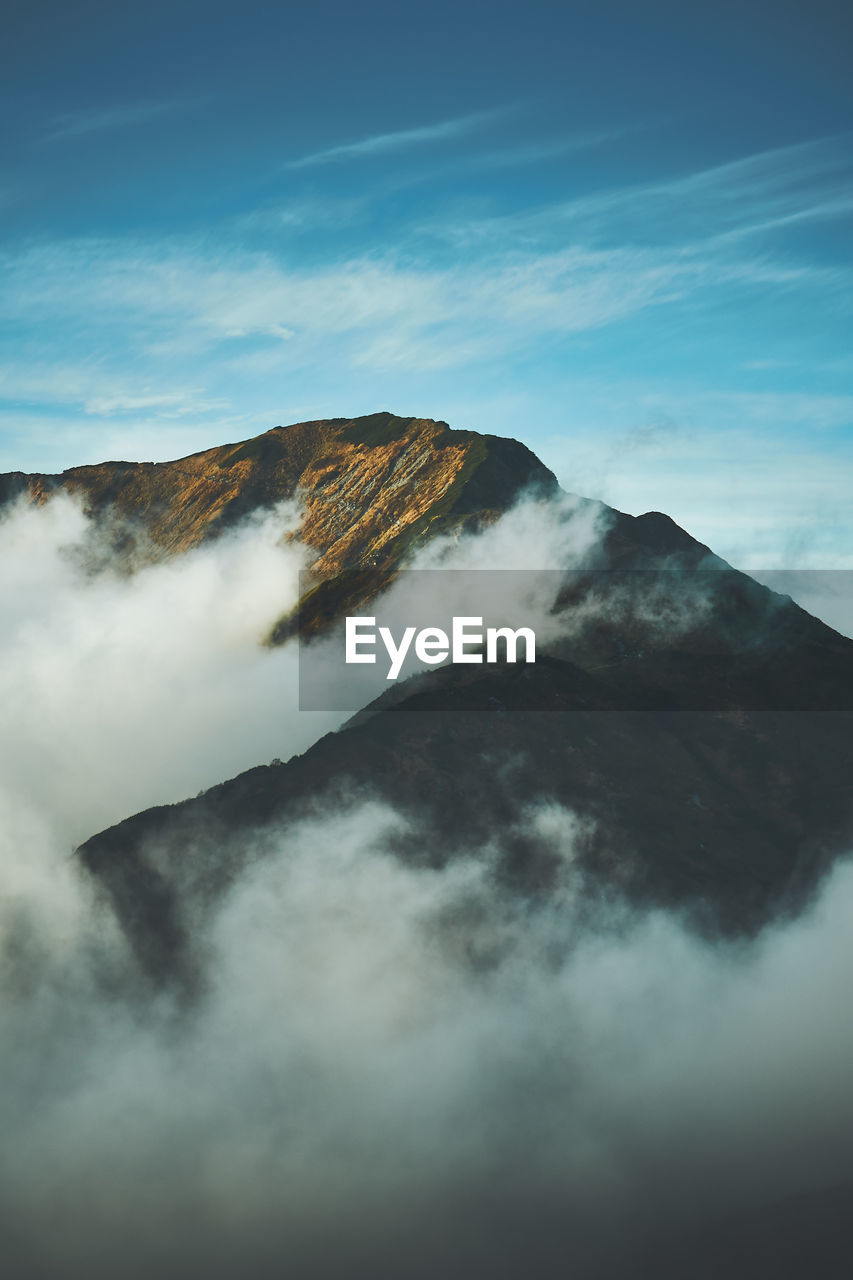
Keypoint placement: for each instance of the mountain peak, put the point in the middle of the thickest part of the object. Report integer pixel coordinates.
(371, 487)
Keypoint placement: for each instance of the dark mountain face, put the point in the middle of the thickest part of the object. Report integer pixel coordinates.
(731, 815)
(708, 762)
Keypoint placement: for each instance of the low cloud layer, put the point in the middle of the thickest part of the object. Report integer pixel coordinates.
(126, 690)
(391, 1068)
(508, 573)
(400, 1068)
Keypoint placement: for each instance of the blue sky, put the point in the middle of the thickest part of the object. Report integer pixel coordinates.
(619, 232)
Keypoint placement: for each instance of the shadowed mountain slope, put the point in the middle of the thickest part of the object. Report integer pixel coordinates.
(731, 814)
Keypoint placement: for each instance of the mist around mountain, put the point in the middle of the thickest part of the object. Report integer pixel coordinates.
(514, 971)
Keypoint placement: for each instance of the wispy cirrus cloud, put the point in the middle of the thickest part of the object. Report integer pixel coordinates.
(156, 335)
(97, 390)
(494, 292)
(412, 306)
(78, 124)
(188, 304)
(778, 188)
(388, 312)
(531, 151)
(402, 139)
(537, 151)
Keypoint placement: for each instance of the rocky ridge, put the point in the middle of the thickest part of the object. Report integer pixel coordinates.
(371, 487)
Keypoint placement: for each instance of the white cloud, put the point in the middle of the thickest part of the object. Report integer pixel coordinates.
(169, 404)
(157, 683)
(208, 332)
(376, 1039)
(809, 181)
(754, 478)
(401, 139)
(388, 310)
(171, 309)
(380, 1041)
(78, 124)
(535, 152)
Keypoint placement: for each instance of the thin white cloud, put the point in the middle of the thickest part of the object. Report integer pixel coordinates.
(309, 214)
(125, 346)
(168, 404)
(535, 152)
(77, 124)
(389, 311)
(98, 391)
(540, 273)
(529, 152)
(401, 139)
(780, 184)
(748, 476)
(784, 186)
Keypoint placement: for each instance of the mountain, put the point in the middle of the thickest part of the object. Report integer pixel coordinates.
(371, 491)
(707, 762)
(372, 488)
(370, 485)
(731, 814)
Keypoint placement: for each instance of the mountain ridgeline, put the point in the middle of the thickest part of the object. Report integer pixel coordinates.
(371, 489)
(370, 486)
(708, 763)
